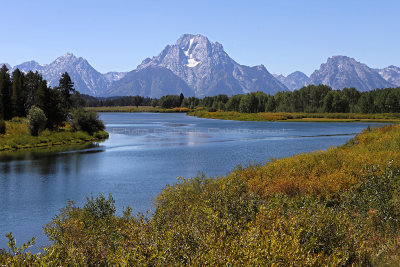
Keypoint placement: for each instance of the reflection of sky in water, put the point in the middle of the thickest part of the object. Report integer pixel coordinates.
(144, 153)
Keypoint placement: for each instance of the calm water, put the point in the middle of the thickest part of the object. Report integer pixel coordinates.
(144, 153)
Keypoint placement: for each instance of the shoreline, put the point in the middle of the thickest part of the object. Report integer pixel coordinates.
(264, 116)
(60, 141)
(297, 117)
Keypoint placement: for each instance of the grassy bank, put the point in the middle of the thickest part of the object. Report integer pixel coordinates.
(136, 109)
(297, 117)
(17, 137)
(339, 207)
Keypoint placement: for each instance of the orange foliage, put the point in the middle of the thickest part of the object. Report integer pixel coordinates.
(325, 172)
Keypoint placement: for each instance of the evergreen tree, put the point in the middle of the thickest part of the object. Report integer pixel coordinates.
(18, 95)
(270, 105)
(137, 100)
(31, 85)
(328, 102)
(42, 97)
(66, 87)
(5, 94)
(181, 97)
(366, 103)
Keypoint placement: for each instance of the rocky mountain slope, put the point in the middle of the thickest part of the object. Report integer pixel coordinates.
(152, 81)
(294, 81)
(86, 79)
(391, 74)
(209, 70)
(341, 71)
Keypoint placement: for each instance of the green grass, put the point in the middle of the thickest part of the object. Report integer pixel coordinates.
(17, 137)
(297, 117)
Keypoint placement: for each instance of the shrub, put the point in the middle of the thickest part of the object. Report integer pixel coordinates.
(37, 120)
(2, 127)
(154, 103)
(86, 121)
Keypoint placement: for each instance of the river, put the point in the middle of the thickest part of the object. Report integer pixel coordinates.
(145, 152)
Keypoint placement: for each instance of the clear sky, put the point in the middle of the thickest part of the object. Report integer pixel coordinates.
(283, 35)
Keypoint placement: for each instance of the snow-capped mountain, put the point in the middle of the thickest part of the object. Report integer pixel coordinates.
(390, 74)
(293, 81)
(341, 71)
(209, 70)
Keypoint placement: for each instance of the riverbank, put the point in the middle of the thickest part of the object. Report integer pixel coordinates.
(18, 138)
(137, 109)
(335, 207)
(265, 116)
(297, 117)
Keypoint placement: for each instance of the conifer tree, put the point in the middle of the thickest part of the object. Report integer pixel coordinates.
(66, 88)
(31, 85)
(5, 94)
(18, 94)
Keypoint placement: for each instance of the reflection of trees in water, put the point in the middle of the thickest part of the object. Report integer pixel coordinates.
(45, 162)
(5, 168)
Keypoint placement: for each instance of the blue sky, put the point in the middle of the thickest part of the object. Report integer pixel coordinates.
(283, 35)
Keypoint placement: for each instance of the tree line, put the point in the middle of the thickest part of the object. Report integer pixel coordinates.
(19, 92)
(28, 95)
(309, 99)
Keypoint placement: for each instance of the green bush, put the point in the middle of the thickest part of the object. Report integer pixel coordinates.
(87, 121)
(37, 120)
(2, 127)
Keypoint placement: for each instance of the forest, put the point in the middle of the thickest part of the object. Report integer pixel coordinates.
(309, 99)
(33, 115)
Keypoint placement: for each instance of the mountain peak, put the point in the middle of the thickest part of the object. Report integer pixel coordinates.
(294, 81)
(342, 71)
(68, 54)
(208, 69)
(390, 74)
(186, 38)
(67, 57)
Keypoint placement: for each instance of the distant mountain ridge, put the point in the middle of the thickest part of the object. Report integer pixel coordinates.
(294, 81)
(196, 66)
(390, 74)
(87, 80)
(341, 71)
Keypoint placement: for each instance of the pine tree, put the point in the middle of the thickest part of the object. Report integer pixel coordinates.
(66, 87)
(5, 94)
(31, 85)
(18, 94)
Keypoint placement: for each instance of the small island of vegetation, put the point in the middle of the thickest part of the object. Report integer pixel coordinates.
(35, 116)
